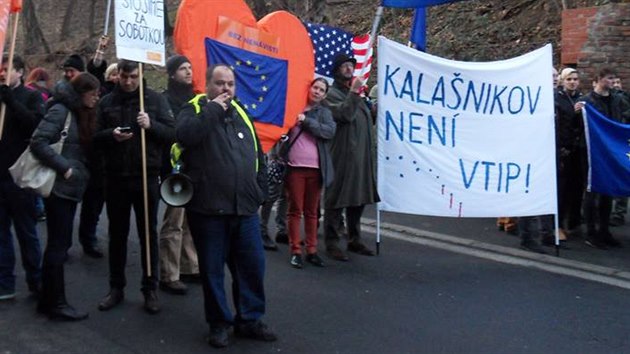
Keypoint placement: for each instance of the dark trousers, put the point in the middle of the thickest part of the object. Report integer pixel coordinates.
(17, 207)
(123, 194)
(333, 224)
(234, 240)
(59, 224)
(91, 208)
(570, 190)
(276, 194)
(597, 208)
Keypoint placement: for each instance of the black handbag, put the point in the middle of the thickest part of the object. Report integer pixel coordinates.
(277, 168)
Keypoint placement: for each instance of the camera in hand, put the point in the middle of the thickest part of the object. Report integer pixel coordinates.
(125, 130)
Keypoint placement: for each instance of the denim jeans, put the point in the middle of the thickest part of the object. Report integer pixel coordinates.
(234, 240)
(123, 194)
(17, 207)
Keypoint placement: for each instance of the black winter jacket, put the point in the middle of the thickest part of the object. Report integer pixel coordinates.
(72, 155)
(617, 108)
(220, 158)
(569, 125)
(25, 109)
(120, 109)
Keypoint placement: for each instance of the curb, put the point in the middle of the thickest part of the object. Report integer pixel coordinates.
(509, 255)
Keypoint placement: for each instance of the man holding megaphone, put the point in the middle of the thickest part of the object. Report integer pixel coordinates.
(224, 159)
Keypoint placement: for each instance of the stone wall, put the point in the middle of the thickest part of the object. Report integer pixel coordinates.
(595, 37)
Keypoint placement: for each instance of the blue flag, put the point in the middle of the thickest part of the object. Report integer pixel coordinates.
(415, 3)
(608, 154)
(419, 29)
(261, 81)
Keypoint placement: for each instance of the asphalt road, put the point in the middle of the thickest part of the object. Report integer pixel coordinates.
(409, 299)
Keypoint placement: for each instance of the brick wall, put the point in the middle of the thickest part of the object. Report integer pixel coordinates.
(597, 36)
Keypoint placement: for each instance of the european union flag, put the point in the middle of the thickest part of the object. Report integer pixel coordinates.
(608, 154)
(261, 81)
(415, 3)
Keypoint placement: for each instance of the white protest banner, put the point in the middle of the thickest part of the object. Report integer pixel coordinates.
(465, 139)
(140, 31)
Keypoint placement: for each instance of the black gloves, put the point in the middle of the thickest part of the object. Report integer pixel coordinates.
(6, 95)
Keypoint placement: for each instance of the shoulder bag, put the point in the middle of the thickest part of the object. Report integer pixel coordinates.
(28, 172)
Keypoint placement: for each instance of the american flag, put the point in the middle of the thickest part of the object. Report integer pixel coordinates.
(328, 42)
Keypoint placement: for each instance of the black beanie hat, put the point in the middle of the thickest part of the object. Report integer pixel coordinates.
(173, 63)
(74, 61)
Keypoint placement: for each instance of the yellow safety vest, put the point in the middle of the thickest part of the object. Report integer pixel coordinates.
(176, 149)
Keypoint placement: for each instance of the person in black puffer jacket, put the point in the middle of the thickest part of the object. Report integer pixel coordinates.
(76, 102)
(123, 175)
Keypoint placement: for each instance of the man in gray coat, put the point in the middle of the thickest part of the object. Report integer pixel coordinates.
(354, 185)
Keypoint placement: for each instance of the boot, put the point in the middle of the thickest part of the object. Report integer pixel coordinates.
(57, 306)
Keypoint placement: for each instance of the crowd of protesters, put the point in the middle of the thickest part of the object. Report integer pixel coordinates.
(577, 207)
(326, 164)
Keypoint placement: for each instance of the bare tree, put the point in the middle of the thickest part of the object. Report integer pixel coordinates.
(67, 20)
(34, 36)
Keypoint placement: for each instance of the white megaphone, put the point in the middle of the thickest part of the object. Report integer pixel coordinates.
(177, 189)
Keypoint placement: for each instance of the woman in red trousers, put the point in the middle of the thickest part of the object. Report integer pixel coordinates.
(310, 168)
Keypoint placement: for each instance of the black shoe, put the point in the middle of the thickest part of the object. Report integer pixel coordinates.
(607, 239)
(151, 302)
(65, 312)
(296, 261)
(218, 337)
(595, 243)
(255, 330)
(359, 248)
(315, 260)
(93, 251)
(176, 287)
(115, 297)
(616, 221)
(190, 278)
(532, 246)
(337, 254)
(281, 237)
(268, 243)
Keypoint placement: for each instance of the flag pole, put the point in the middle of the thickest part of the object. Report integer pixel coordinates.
(109, 8)
(3, 109)
(378, 228)
(377, 20)
(145, 189)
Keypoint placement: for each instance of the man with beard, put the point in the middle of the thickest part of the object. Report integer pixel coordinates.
(354, 184)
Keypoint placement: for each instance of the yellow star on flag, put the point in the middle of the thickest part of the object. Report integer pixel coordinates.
(263, 77)
(254, 106)
(257, 68)
(249, 62)
(238, 62)
(264, 88)
(261, 98)
(246, 107)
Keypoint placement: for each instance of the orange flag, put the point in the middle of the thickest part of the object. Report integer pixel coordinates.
(16, 6)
